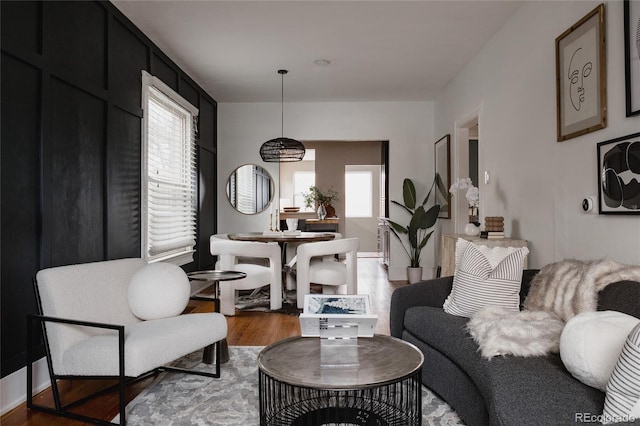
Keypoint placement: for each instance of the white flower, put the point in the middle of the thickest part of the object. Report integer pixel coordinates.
(473, 193)
(461, 183)
(473, 196)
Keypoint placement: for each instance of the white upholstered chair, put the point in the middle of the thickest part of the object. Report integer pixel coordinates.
(316, 264)
(91, 332)
(229, 253)
(291, 249)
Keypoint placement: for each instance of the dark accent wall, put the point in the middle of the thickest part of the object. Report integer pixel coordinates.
(71, 134)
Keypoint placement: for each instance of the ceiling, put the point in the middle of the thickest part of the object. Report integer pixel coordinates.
(379, 50)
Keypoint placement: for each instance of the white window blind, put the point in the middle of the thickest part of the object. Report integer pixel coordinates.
(246, 189)
(169, 174)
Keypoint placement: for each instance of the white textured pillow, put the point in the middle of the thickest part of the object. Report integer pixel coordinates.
(591, 342)
(622, 402)
(159, 290)
(484, 278)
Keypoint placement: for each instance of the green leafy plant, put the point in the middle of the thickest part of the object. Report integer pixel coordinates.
(315, 196)
(421, 220)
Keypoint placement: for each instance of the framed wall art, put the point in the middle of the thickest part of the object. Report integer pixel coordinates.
(632, 56)
(619, 175)
(442, 158)
(581, 77)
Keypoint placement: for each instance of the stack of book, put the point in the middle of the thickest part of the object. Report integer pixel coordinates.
(493, 228)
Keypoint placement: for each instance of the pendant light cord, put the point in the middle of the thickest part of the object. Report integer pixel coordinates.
(281, 150)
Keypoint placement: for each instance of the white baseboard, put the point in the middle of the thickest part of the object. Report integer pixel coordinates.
(13, 388)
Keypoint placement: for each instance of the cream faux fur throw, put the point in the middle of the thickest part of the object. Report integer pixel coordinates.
(570, 287)
(558, 292)
(525, 333)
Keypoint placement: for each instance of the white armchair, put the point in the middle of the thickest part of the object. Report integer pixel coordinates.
(316, 263)
(258, 276)
(90, 330)
(291, 259)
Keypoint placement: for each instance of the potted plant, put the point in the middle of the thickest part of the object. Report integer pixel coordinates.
(417, 230)
(319, 200)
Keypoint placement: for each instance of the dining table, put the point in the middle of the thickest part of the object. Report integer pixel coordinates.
(283, 238)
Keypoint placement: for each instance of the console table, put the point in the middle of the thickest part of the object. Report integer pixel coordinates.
(384, 389)
(448, 249)
(309, 222)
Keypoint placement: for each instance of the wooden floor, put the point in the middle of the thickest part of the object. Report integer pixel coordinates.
(244, 329)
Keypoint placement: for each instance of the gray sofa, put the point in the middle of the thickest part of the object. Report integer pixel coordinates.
(504, 390)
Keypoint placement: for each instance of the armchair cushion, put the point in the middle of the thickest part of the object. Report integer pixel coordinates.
(97, 293)
(333, 273)
(148, 345)
(94, 292)
(159, 290)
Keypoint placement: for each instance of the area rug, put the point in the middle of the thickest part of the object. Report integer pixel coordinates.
(180, 399)
(259, 301)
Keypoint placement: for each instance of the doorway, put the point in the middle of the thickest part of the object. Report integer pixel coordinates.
(362, 204)
(329, 167)
(466, 163)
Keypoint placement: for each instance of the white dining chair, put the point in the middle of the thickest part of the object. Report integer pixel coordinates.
(291, 259)
(231, 254)
(316, 263)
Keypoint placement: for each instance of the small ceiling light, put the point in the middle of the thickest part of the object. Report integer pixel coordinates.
(282, 150)
(322, 62)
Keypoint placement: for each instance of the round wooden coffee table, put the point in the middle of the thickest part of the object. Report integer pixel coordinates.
(384, 389)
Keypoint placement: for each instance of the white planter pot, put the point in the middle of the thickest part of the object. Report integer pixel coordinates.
(414, 274)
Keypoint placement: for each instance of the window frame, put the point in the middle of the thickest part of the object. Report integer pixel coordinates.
(184, 255)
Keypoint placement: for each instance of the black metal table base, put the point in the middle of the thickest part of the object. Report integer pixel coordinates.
(213, 277)
(393, 404)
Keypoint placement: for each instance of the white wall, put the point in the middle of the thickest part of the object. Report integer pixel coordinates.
(408, 126)
(538, 183)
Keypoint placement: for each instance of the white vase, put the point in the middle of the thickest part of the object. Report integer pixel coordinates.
(322, 212)
(414, 275)
(292, 224)
(471, 230)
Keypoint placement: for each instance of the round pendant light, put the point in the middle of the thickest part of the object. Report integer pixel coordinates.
(282, 150)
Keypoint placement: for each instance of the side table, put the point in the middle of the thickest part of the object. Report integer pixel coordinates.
(383, 389)
(212, 278)
(448, 249)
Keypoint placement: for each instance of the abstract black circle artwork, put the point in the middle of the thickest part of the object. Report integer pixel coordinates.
(619, 175)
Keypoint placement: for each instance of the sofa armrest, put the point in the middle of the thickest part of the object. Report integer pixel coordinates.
(424, 293)
(621, 296)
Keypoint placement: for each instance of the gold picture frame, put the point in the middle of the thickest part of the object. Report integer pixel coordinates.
(632, 56)
(581, 76)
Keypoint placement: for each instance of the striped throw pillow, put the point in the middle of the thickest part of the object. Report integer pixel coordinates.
(493, 254)
(622, 402)
(477, 283)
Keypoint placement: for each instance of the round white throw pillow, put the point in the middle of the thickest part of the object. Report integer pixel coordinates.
(591, 343)
(159, 290)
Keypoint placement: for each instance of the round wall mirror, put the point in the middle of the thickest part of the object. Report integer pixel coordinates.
(250, 189)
